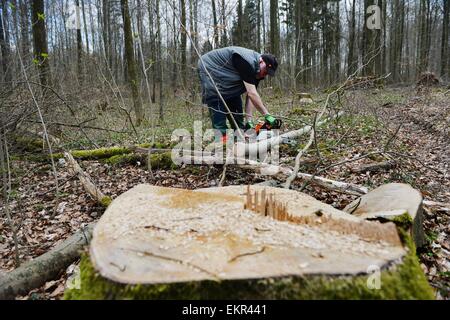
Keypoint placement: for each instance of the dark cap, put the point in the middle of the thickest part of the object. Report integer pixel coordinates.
(271, 63)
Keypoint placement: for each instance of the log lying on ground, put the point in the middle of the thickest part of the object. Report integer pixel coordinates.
(374, 167)
(273, 170)
(97, 154)
(86, 181)
(46, 267)
(254, 148)
(166, 243)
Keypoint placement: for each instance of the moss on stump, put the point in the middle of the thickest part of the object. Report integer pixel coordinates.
(403, 281)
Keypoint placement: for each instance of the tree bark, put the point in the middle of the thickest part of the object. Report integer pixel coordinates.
(274, 29)
(445, 65)
(24, 28)
(4, 42)
(368, 44)
(40, 41)
(79, 45)
(131, 62)
(216, 30)
(85, 27)
(160, 63)
(224, 42)
(183, 42)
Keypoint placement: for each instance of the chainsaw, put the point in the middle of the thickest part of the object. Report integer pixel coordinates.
(264, 125)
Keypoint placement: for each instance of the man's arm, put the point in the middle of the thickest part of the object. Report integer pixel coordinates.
(249, 109)
(254, 101)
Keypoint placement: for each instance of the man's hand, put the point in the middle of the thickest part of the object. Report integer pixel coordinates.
(273, 122)
(250, 125)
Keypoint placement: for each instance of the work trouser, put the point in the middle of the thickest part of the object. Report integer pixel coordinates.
(219, 113)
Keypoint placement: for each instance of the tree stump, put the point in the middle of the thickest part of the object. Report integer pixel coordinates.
(166, 243)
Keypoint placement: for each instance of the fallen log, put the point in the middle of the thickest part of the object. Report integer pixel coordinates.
(374, 167)
(268, 169)
(85, 179)
(95, 154)
(48, 266)
(254, 148)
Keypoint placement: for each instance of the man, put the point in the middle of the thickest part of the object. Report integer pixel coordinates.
(234, 71)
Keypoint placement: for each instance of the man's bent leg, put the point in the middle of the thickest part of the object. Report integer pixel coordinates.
(217, 113)
(235, 105)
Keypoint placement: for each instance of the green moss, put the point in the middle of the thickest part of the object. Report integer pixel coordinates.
(106, 201)
(115, 155)
(95, 154)
(29, 144)
(162, 161)
(123, 159)
(403, 221)
(101, 153)
(403, 281)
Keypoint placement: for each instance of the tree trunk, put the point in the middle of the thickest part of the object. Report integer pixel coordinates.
(131, 62)
(423, 50)
(216, 31)
(4, 42)
(224, 26)
(379, 43)
(445, 66)
(397, 39)
(175, 51)
(79, 45)
(274, 29)
(106, 34)
(40, 41)
(93, 34)
(183, 42)
(368, 43)
(160, 63)
(258, 25)
(85, 27)
(24, 28)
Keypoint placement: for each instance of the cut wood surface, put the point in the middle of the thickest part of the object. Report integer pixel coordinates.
(162, 235)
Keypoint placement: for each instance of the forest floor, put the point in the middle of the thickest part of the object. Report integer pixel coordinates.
(413, 129)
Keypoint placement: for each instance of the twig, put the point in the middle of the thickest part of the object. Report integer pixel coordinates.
(44, 127)
(86, 181)
(207, 72)
(414, 158)
(392, 137)
(315, 139)
(222, 178)
(6, 205)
